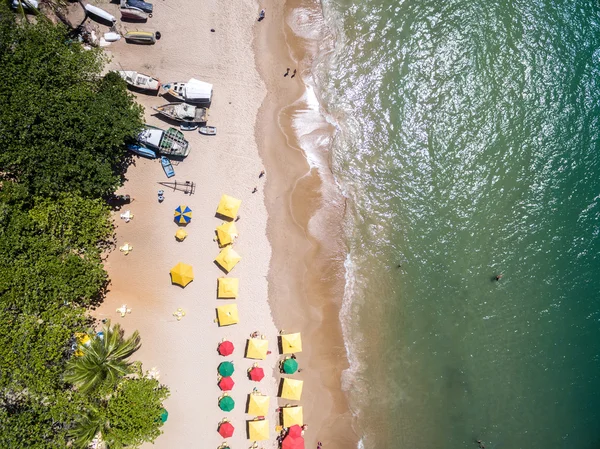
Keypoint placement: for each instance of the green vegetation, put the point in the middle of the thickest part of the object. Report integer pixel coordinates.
(62, 128)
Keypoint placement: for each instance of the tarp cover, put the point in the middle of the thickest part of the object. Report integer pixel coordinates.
(197, 90)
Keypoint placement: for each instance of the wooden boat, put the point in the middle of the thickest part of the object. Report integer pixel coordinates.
(188, 126)
(194, 91)
(183, 112)
(95, 11)
(130, 13)
(208, 130)
(170, 142)
(167, 167)
(141, 37)
(142, 151)
(139, 80)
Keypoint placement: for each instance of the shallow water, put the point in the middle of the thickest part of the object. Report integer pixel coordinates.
(468, 146)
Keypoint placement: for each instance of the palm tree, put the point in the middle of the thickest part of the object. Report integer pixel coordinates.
(104, 359)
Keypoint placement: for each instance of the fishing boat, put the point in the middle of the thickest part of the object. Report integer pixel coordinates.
(183, 112)
(141, 37)
(139, 80)
(140, 4)
(194, 91)
(208, 130)
(28, 5)
(142, 151)
(95, 11)
(167, 166)
(188, 126)
(170, 142)
(131, 13)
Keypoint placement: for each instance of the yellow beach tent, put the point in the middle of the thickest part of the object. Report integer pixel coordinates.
(227, 233)
(258, 430)
(227, 287)
(228, 258)
(181, 234)
(291, 343)
(258, 404)
(182, 274)
(227, 315)
(257, 348)
(229, 206)
(291, 389)
(292, 416)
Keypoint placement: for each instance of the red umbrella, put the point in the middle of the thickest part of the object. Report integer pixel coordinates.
(256, 374)
(226, 429)
(226, 383)
(225, 348)
(294, 439)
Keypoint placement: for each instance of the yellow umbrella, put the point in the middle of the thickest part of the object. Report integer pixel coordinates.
(291, 389)
(182, 274)
(292, 416)
(258, 430)
(227, 315)
(228, 258)
(228, 206)
(227, 233)
(227, 287)
(258, 404)
(181, 234)
(257, 348)
(291, 343)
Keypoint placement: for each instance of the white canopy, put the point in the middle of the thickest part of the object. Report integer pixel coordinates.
(197, 90)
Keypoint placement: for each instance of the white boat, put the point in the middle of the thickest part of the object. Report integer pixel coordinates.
(183, 112)
(27, 4)
(139, 80)
(94, 10)
(194, 91)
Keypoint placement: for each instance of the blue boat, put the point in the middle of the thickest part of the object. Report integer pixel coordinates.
(144, 6)
(142, 151)
(167, 167)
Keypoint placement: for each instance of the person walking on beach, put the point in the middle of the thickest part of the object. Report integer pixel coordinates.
(287, 72)
(255, 190)
(261, 15)
(262, 173)
(293, 74)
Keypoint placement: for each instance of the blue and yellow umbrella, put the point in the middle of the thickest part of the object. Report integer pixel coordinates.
(183, 214)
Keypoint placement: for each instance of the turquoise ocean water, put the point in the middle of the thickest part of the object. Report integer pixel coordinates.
(468, 146)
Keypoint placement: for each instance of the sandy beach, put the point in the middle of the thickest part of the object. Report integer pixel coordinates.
(274, 292)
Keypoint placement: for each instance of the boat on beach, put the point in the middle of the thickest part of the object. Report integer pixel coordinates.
(183, 112)
(139, 80)
(167, 166)
(170, 142)
(98, 12)
(208, 130)
(188, 126)
(141, 37)
(133, 14)
(194, 91)
(140, 4)
(142, 151)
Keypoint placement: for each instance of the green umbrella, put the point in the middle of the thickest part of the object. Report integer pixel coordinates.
(290, 366)
(164, 414)
(226, 403)
(226, 369)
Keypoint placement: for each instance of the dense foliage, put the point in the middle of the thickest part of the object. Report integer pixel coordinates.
(62, 128)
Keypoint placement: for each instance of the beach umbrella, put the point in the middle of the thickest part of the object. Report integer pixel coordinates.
(228, 258)
(258, 404)
(226, 369)
(258, 430)
(227, 288)
(225, 348)
(290, 366)
(256, 374)
(226, 429)
(181, 234)
(227, 233)
(182, 274)
(291, 389)
(226, 384)
(257, 348)
(291, 343)
(226, 403)
(183, 215)
(164, 414)
(292, 415)
(227, 315)
(293, 439)
(228, 206)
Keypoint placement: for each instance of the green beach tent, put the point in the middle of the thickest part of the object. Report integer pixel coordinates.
(290, 366)
(164, 414)
(226, 369)
(226, 403)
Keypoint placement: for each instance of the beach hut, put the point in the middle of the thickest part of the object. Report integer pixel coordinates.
(228, 258)
(291, 343)
(256, 373)
(228, 206)
(293, 439)
(225, 348)
(181, 235)
(227, 315)
(291, 389)
(226, 384)
(227, 288)
(182, 274)
(226, 429)
(257, 348)
(292, 416)
(258, 430)
(226, 403)
(226, 369)
(258, 404)
(183, 215)
(227, 233)
(289, 366)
